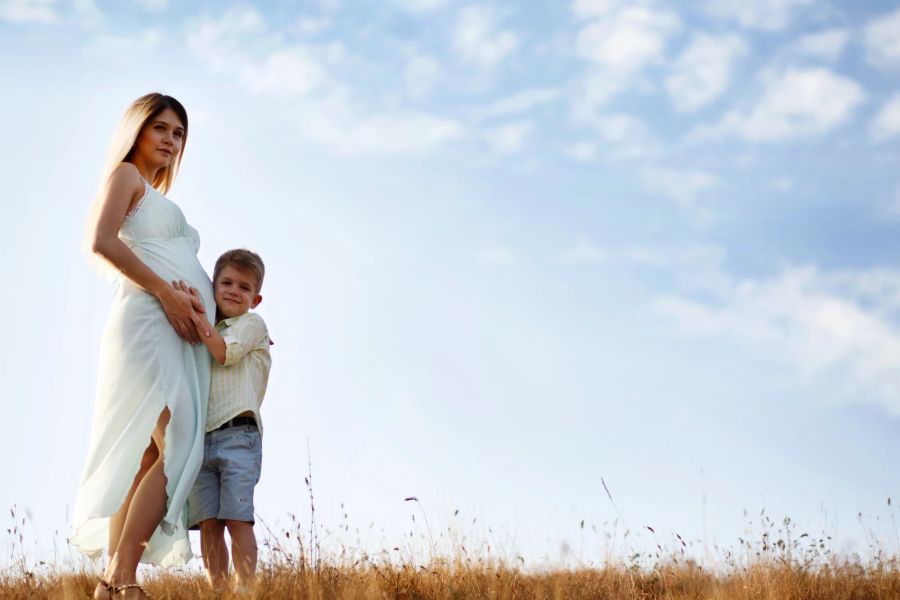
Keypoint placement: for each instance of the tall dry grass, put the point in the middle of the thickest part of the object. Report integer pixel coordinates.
(451, 581)
(779, 562)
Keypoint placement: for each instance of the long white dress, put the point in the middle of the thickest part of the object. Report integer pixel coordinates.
(144, 368)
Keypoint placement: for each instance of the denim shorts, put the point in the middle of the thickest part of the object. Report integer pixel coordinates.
(232, 460)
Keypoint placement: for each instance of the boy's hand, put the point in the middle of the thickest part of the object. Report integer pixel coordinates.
(201, 325)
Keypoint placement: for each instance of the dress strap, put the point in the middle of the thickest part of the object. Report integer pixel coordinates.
(140, 203)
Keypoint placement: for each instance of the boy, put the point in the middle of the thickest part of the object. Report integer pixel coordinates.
(222, 496)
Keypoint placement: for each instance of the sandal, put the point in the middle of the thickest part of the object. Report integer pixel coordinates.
(116, 590)
(106, 586)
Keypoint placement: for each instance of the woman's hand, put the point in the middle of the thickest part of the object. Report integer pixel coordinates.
(181, 284)
(182, 310)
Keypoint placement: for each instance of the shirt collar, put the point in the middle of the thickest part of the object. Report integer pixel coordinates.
(231, 320)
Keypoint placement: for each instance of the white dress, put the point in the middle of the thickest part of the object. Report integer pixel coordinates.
(144, 368)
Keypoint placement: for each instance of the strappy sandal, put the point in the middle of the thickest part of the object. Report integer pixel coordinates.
(118, 589)
(106, 586)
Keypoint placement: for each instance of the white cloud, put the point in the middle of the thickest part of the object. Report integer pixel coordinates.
(825, 45)
(795, 102)
(126, 49)
(87, 14)
(333, 123)
(881, 37)
(768, 15)
(618, 135)
(476, 41)
(682, 186)
(627, 39)
(823, 324)
(288, 71)
(324, 113)
(236, 44)
(497, 255)
(421, 75)
(886, 124)
(518, 103)
(153, 6)
(703, 70)
(583, 251)
(618, 43)
(510, 137)
(28, 11)
(220, 43)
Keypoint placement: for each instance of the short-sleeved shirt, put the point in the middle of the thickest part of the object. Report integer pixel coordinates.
(240, 384)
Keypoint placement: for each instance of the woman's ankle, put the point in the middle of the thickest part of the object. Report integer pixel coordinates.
(121, 577)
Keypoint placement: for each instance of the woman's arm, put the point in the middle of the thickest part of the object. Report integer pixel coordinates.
(123, 187)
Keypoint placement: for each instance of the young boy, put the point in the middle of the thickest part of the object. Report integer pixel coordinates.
(222, 496)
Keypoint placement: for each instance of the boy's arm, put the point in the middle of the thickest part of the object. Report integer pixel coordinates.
(213, 341)
(243, 337)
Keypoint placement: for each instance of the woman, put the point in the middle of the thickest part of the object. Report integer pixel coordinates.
(146, 442)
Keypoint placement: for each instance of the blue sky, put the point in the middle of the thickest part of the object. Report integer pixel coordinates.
(512, 248)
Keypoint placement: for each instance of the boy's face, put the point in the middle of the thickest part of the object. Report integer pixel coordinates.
(235, 292)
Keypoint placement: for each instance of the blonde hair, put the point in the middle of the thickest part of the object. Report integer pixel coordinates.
(138, 115)
(141, 112)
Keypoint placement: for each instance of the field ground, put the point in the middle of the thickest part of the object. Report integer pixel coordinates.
(775, 562)
(451, 581)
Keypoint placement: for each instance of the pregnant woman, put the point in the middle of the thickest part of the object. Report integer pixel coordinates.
(146, 442)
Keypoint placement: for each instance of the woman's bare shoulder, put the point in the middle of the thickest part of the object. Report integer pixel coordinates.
(126, 178)
(125, 173)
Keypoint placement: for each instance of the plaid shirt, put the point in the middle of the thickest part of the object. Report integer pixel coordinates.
(240, 384)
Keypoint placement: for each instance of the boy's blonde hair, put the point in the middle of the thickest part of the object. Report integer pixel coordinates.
(242, 260)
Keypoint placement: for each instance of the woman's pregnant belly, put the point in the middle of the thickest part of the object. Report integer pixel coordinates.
(173, 259)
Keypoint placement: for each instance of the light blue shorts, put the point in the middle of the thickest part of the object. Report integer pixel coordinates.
(232, 460)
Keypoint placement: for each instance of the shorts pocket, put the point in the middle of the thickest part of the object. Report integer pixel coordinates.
(252, 437)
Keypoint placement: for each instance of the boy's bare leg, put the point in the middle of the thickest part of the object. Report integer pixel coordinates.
(215, 553)
(243, 550)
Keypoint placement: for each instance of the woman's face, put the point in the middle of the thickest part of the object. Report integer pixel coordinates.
(160, 141)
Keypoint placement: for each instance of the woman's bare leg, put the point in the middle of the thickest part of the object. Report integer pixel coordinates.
(145, 511)
(117, 521)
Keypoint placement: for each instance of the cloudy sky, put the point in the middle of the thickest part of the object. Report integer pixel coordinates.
(512, 249)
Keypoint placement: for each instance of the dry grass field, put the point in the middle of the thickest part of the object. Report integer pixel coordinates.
(761, 570)
(778, 562)
(456, 581)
